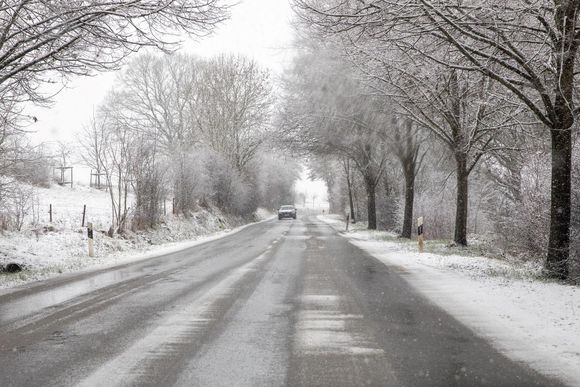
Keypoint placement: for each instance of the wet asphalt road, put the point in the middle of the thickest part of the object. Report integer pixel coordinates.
(278, 303)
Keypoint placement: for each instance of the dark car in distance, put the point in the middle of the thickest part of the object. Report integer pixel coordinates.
(286, 211)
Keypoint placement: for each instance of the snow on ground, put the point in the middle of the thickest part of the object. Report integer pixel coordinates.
(263, 214)
(67, 205)
(529, 319)
(48, 249)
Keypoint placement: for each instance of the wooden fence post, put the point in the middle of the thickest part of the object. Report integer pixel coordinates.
(84, 214)
(50, 213)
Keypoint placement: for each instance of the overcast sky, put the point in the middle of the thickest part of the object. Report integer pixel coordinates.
(259, 29)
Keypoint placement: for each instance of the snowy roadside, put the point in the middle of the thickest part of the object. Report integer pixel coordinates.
(530, 320)
(65, 250)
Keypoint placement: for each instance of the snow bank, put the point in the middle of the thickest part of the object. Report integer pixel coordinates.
(263, 214)
(62, 252)
(528, 319)
(48, 249)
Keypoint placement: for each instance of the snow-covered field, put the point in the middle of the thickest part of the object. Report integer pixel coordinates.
(528, 319)
(48, 249)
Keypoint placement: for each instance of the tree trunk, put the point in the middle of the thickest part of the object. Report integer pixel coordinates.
(119, 198)
(407, 231)
(371, 205)
(356, 203)
(559, 243)
(348, 175)
(462, 200)
(350, 201)
(566, 22)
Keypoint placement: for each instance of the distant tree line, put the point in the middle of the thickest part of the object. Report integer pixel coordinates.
(193, 130)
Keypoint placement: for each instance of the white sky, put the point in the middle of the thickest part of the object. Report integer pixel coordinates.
(314, 190)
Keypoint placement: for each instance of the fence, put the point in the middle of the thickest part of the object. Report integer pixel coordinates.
(78, 215)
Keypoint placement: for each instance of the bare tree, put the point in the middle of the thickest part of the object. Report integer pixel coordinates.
(158, 97)
(92, 140)
(108, 146)
(12, 141)
(276, 177)
(40, 39)
(64, 153)
(234, 106)
(328, 112)
(530, 48)
(406, 141)
(349, 186)
(147, 182)
(191, 106)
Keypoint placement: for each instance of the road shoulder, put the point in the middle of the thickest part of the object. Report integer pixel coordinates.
(10, 283)
(499, 306)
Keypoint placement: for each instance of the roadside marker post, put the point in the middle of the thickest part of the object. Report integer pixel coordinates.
(84, 215)
(91, 241)
(420, 233)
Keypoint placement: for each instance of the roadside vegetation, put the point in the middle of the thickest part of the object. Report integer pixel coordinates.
(177, 136)
(447, 112)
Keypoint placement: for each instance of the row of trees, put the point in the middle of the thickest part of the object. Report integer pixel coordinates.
(44, 44)
(175, 126)
(485, 78)
(191, 129)
(194, 132)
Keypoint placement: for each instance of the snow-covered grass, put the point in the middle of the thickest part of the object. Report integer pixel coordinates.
(67, 206)
(524, 316)
(48, 249)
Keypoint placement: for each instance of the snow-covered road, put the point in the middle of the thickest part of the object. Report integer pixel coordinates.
(277, 303)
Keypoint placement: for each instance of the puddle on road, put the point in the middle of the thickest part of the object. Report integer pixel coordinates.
(28, 305)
